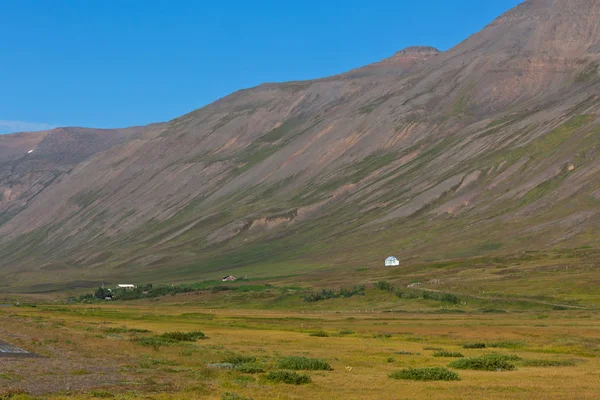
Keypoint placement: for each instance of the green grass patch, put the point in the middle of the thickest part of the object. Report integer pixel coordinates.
(289, 377)
(487, 362)
(448, 354)
(547, 363)
(303, 364)
(474, 345)
(319, 334)
(183, 336)
(426, 374)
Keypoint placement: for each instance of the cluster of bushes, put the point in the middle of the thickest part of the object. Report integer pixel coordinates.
(242, 363)
(169, 338)
(150, 291)
(327, 294)
(547, 363)
(474, 345)
(487, 362)
(289, 377)
(426, 374)
(298, 363)
(506, 344)
(443, 353)
(426, 295)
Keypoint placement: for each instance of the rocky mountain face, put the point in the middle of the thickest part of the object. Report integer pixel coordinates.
(489, 147)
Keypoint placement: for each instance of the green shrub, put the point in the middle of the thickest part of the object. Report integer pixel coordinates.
(391, 359)
(289, 377)
(547, 363)
(487, 362)
(447, 354)
(303, 364)
(183, 336)
(237, 359)
(327, 294)
(426, 374)
(433, 348)
(346, 332)
(475, 345)
(249, 368)
(320, 334)
(384, 285)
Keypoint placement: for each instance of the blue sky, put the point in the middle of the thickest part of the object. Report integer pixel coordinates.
(116, 63)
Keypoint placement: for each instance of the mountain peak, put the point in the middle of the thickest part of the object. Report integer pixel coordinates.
(413, 53)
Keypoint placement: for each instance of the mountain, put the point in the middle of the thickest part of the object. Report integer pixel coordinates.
(490, 147)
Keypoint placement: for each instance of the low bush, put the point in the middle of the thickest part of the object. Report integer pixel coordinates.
(476, 345)
(487, 362)
(289, 377)
(547, 363)
(327, 294)
(303, 364)
(319, 334)
(250, 368)
(492, 311)
(426, 374)
(433, 348)
(183, 336)
(447, 354)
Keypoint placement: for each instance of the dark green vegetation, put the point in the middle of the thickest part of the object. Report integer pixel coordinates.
(327, 294)
(487, 362)
(426, 374)
(168, 338)
(448, 354)
(289, 377)
(547, 363)
(303, 364)
(474, 345)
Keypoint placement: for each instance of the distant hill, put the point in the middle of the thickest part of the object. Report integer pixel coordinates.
(490, 147)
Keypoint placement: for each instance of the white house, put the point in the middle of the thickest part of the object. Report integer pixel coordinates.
(125, 286)
(392, 262)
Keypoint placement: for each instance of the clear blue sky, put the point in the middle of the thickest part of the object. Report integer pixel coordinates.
(116, 63)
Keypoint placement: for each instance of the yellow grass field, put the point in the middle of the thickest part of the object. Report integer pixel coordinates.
(91, 352)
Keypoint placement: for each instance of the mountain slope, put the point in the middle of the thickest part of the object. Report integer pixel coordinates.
(488, 147)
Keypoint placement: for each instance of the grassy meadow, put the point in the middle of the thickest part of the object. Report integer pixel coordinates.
(142, 350)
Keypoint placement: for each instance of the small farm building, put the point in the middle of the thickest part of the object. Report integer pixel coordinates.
(125, 286)
(392, 262)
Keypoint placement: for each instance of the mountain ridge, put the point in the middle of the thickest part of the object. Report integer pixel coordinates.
(487, 147)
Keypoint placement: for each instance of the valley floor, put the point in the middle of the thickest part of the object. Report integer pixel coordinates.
(117, 351)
